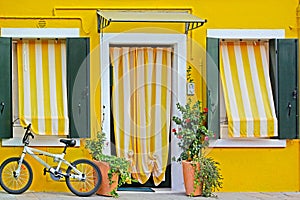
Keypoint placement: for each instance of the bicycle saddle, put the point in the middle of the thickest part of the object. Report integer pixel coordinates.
(68, 142)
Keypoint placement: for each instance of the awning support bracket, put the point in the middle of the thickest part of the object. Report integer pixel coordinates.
(102, 23)
(193, 25)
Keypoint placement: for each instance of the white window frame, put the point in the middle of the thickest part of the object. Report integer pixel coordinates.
(178, 42)
(16, 33)
(247, 34)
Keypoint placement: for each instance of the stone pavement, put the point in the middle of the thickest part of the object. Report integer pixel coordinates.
(157, 196)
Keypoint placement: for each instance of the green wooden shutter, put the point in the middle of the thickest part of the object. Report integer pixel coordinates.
(6, 88)
(78, 80)
(284, 79)
(212, 82)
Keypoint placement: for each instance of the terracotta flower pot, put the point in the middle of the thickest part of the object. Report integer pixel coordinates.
(189, 177)
(105, 188)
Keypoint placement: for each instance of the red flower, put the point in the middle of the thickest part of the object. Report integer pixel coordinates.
(188, 120)
(179, 136)
(205, 110)
(179, 129)
(174, 130)
(206, 138)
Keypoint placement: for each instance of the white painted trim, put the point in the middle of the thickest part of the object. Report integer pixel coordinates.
(40, 32)
(39, 140)
(178, 42)
(246, 33)
(37, 33)
(248, 143)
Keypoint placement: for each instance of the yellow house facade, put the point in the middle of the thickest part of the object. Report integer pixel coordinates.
(197, 33)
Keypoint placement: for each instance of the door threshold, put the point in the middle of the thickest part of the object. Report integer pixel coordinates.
(163, 190)
(155, 190)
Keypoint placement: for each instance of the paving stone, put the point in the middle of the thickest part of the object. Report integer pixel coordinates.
(156, 196)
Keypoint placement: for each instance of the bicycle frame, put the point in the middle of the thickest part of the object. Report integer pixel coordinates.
(82, 176)
(57, 157)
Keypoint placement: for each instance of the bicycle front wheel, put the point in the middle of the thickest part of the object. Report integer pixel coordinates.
(9, 181)
(91, 178)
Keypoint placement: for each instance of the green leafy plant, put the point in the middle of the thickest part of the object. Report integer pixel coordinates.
(209, 175)
(119, 166)
(193, 139)
(192, 132)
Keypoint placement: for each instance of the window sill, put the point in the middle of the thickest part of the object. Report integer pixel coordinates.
(42, 141)
(248, 143)
(39, 140)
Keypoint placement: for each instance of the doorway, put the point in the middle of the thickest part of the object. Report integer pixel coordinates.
(178, 43)
(141, 109)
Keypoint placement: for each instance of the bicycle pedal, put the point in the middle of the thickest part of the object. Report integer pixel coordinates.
(45, 171)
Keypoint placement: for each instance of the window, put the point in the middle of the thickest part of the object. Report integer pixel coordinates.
(40, 86)
(77, 87)
(282, 55)
(246, 90)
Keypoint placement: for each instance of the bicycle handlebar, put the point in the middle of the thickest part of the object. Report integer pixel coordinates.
(27, 133)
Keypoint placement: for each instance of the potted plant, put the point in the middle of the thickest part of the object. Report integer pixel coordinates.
(201, 173)
(115, 170)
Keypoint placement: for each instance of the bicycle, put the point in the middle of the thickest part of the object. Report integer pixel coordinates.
(83, 177)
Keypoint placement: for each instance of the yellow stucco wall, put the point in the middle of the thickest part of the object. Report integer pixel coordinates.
(244, 169)
(260, 169)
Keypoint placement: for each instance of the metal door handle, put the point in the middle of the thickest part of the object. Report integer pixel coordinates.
(290, 108)
(2, 107)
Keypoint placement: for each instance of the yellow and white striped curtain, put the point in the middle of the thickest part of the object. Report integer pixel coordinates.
(247, 89)
(42, 86)
(141, 108)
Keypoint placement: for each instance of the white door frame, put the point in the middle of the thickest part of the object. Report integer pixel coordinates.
(178, 42)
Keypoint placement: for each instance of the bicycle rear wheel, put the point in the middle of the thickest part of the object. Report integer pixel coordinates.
(9, 182)
(92, 178)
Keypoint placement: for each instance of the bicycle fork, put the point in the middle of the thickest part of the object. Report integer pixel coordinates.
(18, 170)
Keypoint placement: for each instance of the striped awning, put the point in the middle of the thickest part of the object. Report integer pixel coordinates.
(105, 17)
(247, 89)
(42, 86)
